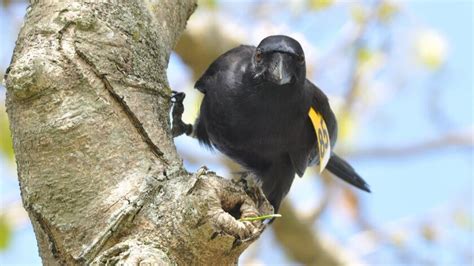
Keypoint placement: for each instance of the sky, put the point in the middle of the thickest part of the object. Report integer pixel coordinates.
(415, 187)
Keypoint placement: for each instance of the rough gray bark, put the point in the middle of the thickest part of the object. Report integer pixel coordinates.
(88, 103)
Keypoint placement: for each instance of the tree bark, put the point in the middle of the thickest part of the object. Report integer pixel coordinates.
(88, 103)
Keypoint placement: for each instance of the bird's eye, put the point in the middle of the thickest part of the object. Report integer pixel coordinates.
(258, 56)
(301, 59)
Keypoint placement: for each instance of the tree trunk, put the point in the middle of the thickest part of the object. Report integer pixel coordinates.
(88, 103)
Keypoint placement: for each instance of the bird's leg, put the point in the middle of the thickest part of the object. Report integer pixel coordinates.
(179, 127)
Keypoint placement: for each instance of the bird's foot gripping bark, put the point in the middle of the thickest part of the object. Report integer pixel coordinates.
(179, 127)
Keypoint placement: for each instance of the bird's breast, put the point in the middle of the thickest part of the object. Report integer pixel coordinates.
(259, 124)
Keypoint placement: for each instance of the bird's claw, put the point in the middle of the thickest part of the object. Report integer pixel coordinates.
(179, 127)
(177, 97)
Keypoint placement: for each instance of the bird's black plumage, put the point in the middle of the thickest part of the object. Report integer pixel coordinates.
(255, 110)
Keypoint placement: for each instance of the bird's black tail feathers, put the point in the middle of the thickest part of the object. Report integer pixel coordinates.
(344, 171)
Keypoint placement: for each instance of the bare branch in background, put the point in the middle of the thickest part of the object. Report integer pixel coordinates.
(200, 47)
(356, 43)
(398, 234)
(461, 139)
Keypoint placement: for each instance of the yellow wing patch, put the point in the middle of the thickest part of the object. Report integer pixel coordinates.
(322, 135)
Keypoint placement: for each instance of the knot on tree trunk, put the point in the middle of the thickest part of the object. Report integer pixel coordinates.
(198, 217)
(230, 201)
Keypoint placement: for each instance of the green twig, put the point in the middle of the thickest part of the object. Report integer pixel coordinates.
(256, 218)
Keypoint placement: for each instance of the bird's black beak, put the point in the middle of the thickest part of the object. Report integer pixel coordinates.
(280, 71)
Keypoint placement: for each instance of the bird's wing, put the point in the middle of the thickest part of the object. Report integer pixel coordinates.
(299, 160)
(320, 108)
(200, 132)
(336, 164)
(320, 103)
(219, 74)
(227, 62)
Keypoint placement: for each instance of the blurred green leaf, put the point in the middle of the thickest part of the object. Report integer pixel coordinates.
(347, 126)
(211, 4)
(320, 4)
(369, 60)
(399, 239)
(6, 144)
(359, 14)
(5, 233)
(462, 219)
(387, 10)
(364, 55)
(429, 233)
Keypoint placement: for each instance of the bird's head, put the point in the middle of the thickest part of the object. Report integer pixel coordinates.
(280, 59)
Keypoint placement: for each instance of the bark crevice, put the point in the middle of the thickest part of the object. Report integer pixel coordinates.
(118, 99)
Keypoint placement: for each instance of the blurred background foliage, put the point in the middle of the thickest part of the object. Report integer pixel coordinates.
(399, 77)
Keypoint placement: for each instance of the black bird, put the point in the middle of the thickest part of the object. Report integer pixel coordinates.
(255, 110)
